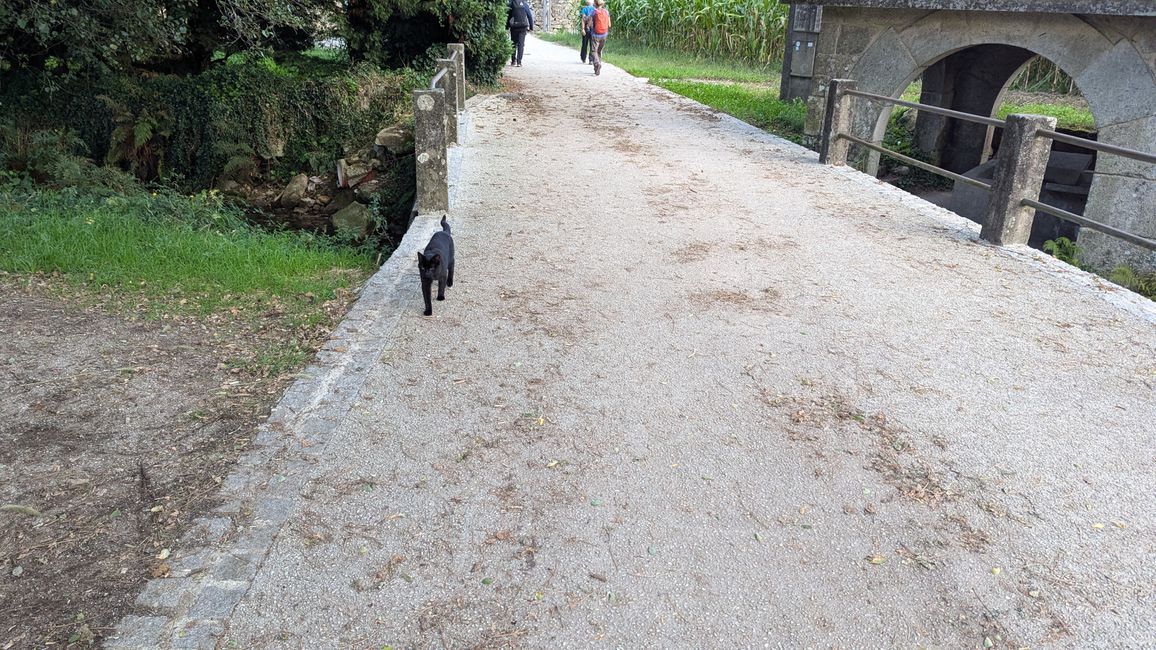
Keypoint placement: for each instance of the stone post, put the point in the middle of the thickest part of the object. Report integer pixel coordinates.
(450, 85)
(836, 120)
(429, 148)
(1019, 174)
(460, 48)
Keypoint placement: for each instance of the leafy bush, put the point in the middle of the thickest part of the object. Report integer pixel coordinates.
(225, 122)
(396, 33)
(91, 37)
(53, 157)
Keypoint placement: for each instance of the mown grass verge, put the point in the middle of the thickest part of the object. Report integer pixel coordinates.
(753, 105)
(658, 63)
(750, 93)
(1067, 117)
(177, 254)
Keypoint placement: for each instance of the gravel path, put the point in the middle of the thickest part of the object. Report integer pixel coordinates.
(692, 389)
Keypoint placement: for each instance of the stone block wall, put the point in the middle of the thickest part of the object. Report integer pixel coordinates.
(1111, 58)
(563, 14)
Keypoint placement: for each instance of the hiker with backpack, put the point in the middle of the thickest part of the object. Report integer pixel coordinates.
(587, 29)
(519, 20)
(601, 29)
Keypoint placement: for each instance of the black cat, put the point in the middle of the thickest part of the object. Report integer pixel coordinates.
(437, 262)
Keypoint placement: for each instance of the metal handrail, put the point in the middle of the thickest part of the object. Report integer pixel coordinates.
(1098, 146)
(1094, 225)
(917, 163)
(433, 84)
(947, 112)
(1138, 240)
(453, 55)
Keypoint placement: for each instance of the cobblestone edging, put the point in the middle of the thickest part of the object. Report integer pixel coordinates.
(214, 563)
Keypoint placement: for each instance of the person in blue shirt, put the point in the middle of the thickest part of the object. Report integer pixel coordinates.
(587, 30)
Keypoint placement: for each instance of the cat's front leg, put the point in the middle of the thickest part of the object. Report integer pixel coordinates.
(441, 288)
(426, 287)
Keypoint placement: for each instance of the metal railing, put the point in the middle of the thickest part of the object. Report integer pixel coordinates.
(1021, 163)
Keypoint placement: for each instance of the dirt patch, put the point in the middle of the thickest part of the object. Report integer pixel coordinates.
(115, 433)
(517, 92)
(893, 454)
(725, 297)
(692, 252)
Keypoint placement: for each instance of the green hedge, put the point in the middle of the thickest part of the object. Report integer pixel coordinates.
(393, 33)
(193, 130)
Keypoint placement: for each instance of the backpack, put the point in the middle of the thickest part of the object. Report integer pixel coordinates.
(601, 21)
(518, 18)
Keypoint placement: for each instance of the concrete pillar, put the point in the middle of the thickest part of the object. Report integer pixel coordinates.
(450, 85)
(460, 48)
(429, 137)
(1019, 175)
(836, 120)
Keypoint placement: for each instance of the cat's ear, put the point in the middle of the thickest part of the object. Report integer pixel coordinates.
(420, 259)
(435, 260)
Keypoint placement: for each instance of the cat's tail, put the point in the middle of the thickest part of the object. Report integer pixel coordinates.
(445, 224)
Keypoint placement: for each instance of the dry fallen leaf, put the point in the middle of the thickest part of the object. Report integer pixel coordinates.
(164, 554)
(20, 510)
(876, 559)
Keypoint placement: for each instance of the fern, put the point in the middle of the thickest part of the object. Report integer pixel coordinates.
(1064, 250)
(137, 142)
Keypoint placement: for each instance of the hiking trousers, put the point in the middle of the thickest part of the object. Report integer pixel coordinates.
(518, 36)
(596, 52)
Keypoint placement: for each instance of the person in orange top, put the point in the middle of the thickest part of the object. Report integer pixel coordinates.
(599, 33)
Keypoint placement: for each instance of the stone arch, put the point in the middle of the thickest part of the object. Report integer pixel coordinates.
(1116, 80)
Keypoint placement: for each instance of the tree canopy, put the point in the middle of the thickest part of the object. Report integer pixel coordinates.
(165, 35)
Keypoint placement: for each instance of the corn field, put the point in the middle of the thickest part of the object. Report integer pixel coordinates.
(1041, 75)
(748, 30)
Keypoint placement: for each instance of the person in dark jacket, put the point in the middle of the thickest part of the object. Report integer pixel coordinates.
(520, 19)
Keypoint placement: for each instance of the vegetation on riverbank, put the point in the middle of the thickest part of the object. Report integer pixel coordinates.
(179, 254)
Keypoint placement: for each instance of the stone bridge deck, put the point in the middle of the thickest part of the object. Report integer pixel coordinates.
(692, 389)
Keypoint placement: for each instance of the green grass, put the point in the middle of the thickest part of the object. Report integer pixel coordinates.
(753, 105)
(1067, 117)
(658, 63)
(176, 253)
(750, 94)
